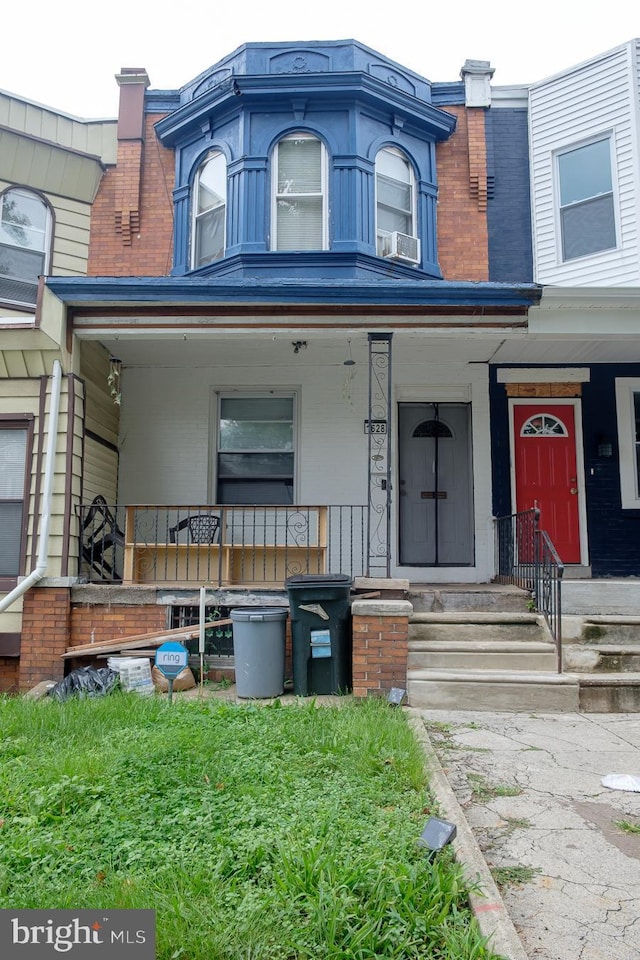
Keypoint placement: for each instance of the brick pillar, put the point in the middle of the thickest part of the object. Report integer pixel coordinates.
(380, 645)
(45, 635)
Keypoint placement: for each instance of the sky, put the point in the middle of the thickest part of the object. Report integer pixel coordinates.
(66, 54)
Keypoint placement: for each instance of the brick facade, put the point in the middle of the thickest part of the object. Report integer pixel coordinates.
(463, 240)
(380, 645)
(142, 244)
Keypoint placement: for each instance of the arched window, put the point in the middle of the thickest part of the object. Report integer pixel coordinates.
(25, 241)
(209, 211)
(395, 198)
(299, 194)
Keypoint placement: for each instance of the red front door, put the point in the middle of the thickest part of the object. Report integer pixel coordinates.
(546, 471)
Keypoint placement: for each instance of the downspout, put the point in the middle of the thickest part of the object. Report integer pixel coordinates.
(43, 553)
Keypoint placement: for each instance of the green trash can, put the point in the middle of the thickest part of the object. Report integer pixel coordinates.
(258, 650)
(320, 613)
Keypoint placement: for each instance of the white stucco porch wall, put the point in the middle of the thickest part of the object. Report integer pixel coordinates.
(167, 439)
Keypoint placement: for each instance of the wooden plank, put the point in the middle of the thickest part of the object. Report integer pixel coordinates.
(154, 639)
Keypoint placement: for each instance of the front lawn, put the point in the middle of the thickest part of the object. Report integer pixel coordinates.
(255, 832)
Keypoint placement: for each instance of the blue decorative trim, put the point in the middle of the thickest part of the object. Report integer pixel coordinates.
(161, 101)
(77, 291)
(443, 94)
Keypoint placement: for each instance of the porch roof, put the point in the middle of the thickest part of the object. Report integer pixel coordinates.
(476, 297)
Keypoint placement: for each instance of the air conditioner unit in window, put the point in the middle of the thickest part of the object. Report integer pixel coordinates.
(400, 246)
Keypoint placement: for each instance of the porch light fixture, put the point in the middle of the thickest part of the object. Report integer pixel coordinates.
(437, 834)
(605, 447)
(349, 362)
(298, 345)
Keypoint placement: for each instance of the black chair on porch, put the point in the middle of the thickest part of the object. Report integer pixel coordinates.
(201, 528)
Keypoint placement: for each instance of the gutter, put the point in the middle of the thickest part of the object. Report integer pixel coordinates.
(43, 553)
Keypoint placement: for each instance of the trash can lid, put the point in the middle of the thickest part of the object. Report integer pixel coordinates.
(246, 614)
(303, 579)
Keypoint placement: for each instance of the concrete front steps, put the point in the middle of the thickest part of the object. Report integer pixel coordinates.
(605, 654)
(476, 647)
(486, 661)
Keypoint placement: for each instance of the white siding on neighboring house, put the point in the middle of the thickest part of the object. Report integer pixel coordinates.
(600, 97)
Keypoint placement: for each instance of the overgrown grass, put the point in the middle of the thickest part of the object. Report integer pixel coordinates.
(255, 832)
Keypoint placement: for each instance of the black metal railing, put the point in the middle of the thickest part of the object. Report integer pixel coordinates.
(527, 558)
(222, 545)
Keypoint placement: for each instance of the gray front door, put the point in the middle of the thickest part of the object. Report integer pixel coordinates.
(436, 499)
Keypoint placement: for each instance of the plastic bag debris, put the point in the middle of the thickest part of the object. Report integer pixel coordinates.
(621, 781)
(85, 682)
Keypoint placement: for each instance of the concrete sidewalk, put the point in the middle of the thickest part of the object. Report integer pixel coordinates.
(529, 790)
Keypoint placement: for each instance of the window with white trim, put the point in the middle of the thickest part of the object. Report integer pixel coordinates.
(209, 211)
(587, 214)
(25, 242)
(13, 454)
(628, 413)
(255, 453)
(300, 194)
(395, 197)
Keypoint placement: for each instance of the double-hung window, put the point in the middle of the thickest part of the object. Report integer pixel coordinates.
(255, 455)
(395, 197)
(587, 214)
(300, 194)
(209, 211)
(14, 442)
(25, 239)
(628, 414)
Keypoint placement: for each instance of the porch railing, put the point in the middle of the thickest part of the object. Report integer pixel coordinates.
(221, 545)
(527, 558)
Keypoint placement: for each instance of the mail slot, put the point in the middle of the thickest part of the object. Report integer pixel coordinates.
(433, 495)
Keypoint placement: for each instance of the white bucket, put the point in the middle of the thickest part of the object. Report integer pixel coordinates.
(135, 673)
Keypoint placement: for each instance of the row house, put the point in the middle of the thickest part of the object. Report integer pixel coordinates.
(329, 317)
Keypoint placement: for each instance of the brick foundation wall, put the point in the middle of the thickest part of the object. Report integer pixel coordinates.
(45, 635)
(8, 675)
(380, 645)
(95, 623)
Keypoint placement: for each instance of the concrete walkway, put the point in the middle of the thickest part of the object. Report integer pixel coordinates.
(527, 791)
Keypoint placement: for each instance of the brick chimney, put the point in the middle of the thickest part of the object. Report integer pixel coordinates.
(133, 82)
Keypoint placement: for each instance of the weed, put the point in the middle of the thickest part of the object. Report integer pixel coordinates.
(517, 823)
(626, 826)
(513, 876)
(482, 791)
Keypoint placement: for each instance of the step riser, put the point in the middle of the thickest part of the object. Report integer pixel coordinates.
(451, 601)
(613, 699)
(485, 695)
(461, 660)
(578, 659)
(620, 633)
(462, 632)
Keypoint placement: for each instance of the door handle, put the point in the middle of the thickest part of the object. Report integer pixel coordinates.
(573, 490)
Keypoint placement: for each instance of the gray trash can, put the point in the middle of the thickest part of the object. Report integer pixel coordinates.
(258, 650)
